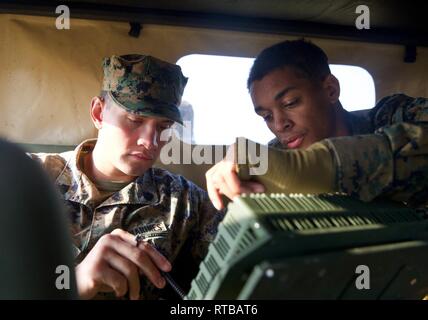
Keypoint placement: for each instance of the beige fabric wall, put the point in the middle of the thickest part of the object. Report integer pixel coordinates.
(49, 76)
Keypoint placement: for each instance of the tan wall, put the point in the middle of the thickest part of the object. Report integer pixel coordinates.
(49, 76)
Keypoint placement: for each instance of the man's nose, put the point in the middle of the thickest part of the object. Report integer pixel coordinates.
(282, 124)
(148, 137)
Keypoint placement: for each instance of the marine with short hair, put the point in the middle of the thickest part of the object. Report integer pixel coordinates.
(383, 153)
(114, 196)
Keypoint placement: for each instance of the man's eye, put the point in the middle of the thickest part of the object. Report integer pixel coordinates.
(165, 126)
(267, 118)
(133, 120)
(290, 104)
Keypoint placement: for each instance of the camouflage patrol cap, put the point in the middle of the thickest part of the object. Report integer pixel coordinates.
(145, 85)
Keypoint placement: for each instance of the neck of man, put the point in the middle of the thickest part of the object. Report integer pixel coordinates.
(342, 127)
(98, 169)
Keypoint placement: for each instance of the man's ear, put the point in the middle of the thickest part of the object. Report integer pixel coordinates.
(97, 108)
(332, 88)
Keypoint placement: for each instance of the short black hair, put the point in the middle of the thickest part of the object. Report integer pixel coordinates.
(304, 56)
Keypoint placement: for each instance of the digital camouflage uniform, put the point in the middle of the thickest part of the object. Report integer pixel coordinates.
(172, 213)
(387, 154)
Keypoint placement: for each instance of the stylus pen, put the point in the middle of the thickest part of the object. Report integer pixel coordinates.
(173, 284)
(139, 237)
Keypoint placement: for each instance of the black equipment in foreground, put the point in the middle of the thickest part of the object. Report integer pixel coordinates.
(315, 247)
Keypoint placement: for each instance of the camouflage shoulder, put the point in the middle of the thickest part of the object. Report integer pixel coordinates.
(52, 163)
(399, 108)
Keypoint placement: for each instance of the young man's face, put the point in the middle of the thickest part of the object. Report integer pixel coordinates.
(297, 110)
(131, 143)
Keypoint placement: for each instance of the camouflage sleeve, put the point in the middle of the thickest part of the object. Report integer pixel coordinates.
(203, 232)
(393, 161)
(52, 163)
(208, 220)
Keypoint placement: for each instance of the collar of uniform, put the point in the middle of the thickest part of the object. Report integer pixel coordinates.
(73, 178)
(141, 191)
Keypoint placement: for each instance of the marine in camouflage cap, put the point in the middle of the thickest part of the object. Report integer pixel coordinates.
(145, 85)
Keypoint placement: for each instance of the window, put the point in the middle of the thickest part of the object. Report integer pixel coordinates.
(217, 99)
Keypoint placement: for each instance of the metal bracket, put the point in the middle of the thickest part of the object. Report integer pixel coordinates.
(135, 29)
(410, 54)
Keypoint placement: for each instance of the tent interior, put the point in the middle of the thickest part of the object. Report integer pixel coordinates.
(49, 76)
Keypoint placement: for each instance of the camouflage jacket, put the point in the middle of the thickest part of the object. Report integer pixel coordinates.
(170, 211)
(387, 154)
